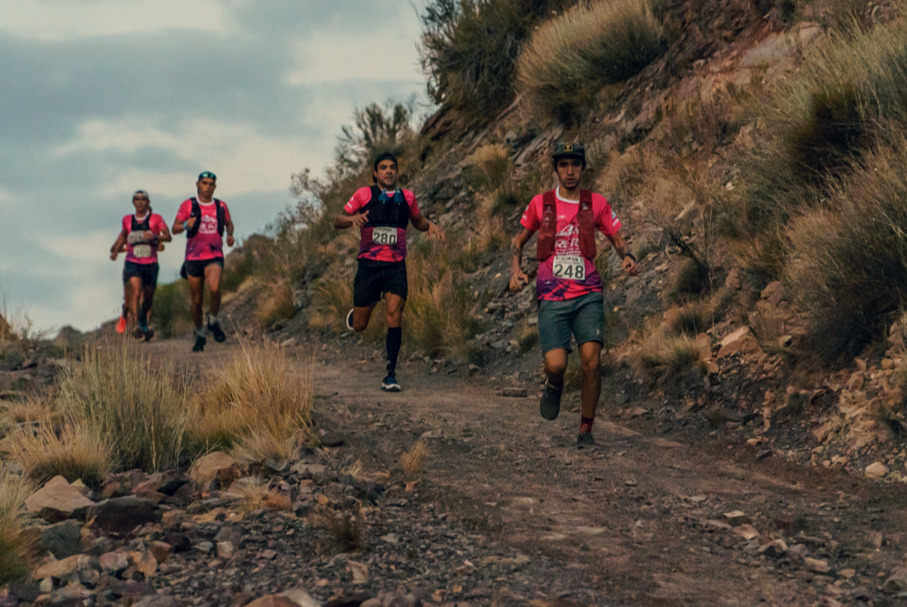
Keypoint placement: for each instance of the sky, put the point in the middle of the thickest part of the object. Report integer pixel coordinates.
(104, 97)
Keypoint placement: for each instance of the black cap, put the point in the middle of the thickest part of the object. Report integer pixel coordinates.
(383, 156)
(207, 175)
(569, 150)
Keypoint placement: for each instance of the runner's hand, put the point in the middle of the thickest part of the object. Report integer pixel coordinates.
(435, 232)
(359, 219)
(190, 222)
(630, 266)
(518, 280)
(113, 255)
(230, 240)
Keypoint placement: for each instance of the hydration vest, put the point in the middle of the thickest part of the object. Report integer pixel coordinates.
(385, 211)
(548, 230)
(197, 213)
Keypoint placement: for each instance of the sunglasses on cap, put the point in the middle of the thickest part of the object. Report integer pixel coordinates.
(207, 175)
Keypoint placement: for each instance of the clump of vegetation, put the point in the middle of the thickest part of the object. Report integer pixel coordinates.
(848, 264)
(74, 452)
(256, 405)
(137, 407)
(469, 49)
(664, 354)
(570, 58)
(170, 313)
(255, 494)
(14, 547)
(412, 461)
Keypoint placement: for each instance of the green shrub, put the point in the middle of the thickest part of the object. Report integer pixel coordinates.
(170, 311)
(469, 49)
(134, 405)
(570, 58)
(848, 264)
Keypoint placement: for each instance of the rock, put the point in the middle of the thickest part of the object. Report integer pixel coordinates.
(514, 392)
(359, 572)
(747, 532)
(897, 580)
(56, 500)
(158, 600)
(225, 550)
(144, 563)
(161, 551)
(775, 549)
(63, 539)
(64, 567)
(274, 600)
(737, 518)
(332, 439)
(737, 341)
(876, 470)
(215, 465)
(816, 565)
(115, 561)
(122, 514)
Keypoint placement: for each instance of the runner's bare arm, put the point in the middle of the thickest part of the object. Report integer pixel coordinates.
(178, 226)
(164, 236)
(623, 251)
(118, 245)
(421, 223)
(518, 278)
(229, 227)
(347, 220)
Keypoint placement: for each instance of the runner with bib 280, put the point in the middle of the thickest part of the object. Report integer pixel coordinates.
(142, 234)
(382, 213)
(568, 286)
(204, 219)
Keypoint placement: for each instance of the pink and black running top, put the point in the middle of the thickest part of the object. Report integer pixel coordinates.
(138, 248)
(205, 240)
(567, 273)
(383, 237)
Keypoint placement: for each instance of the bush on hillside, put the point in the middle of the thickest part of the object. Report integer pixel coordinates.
(14, 546)
(469, 49)
(831, 114)
(170, 313)
(848, 262)
(570, 58)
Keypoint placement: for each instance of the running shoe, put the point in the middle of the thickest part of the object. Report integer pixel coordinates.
(585, 439)
(390, 384)
(149, 333)
(550, 404)
(121, 325)
(138, 334)
(199, 344)
(349, 320)
(217, 332)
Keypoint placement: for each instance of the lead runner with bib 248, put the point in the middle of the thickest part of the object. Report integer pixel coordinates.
(382, 213)
(568, 286)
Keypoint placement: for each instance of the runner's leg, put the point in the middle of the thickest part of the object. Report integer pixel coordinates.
(361, 316)
(556, 366)
(196, 293)
(132, 288)
(590, 353)
(394, 316)
(213, 273)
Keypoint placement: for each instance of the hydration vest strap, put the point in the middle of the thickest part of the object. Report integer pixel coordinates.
(548, 229)
(197, 213)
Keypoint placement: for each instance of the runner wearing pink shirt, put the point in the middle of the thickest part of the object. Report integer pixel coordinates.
(142, 234)
(204, 219)
(382, 213)
(568, 286)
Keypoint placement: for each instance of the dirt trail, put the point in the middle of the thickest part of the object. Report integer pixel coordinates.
(637, 520)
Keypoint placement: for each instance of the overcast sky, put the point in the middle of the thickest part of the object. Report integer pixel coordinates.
(103, 97)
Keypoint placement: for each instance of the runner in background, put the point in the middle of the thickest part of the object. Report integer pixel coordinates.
(382, 213)
(205, 219)
(141, 234)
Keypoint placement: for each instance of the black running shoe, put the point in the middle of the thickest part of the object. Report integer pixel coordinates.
(390, 384)
(199, 344)
(550, 404)
(217, 332)
(585, 439)
(149, 333)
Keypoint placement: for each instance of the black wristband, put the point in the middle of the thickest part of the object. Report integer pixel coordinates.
(630, 255)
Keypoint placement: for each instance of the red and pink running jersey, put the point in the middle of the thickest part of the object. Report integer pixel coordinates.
(140, 252)
(207, 243)
(567, 274)
(381, 243)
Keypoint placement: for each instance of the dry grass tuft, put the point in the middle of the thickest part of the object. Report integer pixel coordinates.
(75, 452)
(662, 355)
(345, 528)
(571, 57)
(413, 461)
(276, 304)
(255, 494)
(255, 406)
(134, 405)
(14, 548)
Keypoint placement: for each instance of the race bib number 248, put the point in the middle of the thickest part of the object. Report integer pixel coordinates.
(570, 267)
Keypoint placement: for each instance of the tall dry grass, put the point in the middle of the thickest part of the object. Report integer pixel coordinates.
(14, 547)
(255, 406)
(571, 57)
(74, 451)
(137, 406)
(848, 260)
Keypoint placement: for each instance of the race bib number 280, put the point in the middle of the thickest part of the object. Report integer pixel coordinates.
(570, 267)
(384, 235)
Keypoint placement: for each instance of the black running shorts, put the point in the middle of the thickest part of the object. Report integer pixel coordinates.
(196, 267)
(147, 272)
(375, 278)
